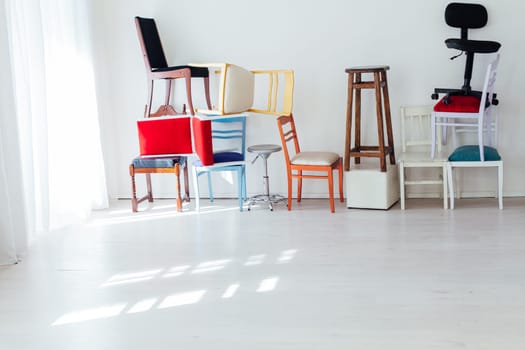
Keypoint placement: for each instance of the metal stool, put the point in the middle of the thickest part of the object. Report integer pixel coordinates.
(264, 151)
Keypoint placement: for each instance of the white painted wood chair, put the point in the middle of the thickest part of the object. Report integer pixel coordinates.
(468, 156)
(467, 111)
(415, 144)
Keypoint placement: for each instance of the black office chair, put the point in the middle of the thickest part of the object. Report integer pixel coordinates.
(465, 17)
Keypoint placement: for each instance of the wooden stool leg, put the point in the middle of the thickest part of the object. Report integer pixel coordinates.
(380, 131)
(388, 119)
(340, 170)
(349, 101)
(358, 119)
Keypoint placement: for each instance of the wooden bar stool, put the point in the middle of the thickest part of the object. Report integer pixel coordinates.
(380, 86)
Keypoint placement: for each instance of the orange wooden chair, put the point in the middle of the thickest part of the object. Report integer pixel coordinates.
(297, 163)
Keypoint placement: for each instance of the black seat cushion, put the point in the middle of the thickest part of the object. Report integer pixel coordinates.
(477, 46)
(196, 72)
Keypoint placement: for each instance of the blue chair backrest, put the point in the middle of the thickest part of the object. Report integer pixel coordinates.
(224, 129)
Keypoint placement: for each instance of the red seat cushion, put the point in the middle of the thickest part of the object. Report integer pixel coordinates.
(459, 104)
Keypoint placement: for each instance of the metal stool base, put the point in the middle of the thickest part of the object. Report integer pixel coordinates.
(270, 199)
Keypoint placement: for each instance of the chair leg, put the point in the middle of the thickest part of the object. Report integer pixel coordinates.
(331, 189)
(196, 189)
(480, 142)
(150, 99)
(240, 186)
(289, 190)
(299, 186)
(148, 186)
(134, 201)
(188, 91)
(450, 185)
(186, 182)
(500, 185)
(445, 187)
(433, 132)
(402, 185)
(207, 92)
(168, 92)
(244, 193)
(176, 170)
(210, 187)
(340, 170)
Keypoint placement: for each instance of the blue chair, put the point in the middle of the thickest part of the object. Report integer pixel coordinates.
(229, 132)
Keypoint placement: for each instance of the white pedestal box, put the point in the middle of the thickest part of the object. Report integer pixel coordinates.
(369, 188)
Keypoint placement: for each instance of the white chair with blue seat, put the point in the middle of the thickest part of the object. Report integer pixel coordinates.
(469, 157)
(229, 132)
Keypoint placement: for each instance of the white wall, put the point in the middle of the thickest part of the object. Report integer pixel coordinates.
(318, 39)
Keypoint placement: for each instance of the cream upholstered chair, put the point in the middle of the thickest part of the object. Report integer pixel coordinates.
(300, 164)
(237, 87)
(415, 145)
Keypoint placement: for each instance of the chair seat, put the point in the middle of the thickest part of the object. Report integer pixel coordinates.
(419, 157)
(157, 162)
(223, 157)
(470, 153)
(458, 104)
(196, 72)
(314, 158)
(476, 46)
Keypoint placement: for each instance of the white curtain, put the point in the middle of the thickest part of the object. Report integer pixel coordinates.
(61, 164)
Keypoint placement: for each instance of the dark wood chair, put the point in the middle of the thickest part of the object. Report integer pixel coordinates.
(157, 66)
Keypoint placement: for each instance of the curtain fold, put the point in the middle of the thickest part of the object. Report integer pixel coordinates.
(56, 113)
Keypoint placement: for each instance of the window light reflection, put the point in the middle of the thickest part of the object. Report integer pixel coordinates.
(142, 306)
(176, 271)
(255, 260)
(286, 256)
(230, 291)
(90, 314)
(267, 285)
(182, 299)
(133, 277)
(211, 266)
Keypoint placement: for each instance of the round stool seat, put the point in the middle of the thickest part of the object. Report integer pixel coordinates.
(264, 148)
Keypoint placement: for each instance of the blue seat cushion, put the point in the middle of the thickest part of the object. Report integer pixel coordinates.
(157, 162)
(224, 157)
(470, 153)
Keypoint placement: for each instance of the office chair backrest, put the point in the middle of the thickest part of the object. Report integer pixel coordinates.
(465, 16)
(150, 43)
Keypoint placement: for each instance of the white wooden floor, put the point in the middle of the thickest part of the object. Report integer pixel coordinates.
(426, 278)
